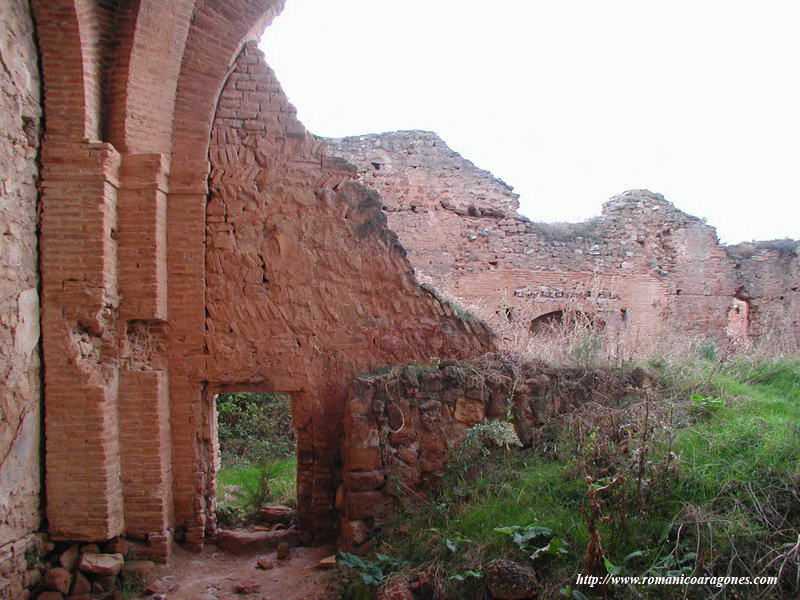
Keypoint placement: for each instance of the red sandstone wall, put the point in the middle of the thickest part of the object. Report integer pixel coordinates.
(306, 287)
(20, 375)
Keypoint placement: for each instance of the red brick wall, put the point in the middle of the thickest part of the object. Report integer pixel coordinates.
(305, 286)
(137, 315)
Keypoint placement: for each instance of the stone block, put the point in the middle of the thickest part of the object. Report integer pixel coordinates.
(359, 458)
(81, 585)
(101, 564)
(364, 481)
(469, 412)
(58, 579)
(69, 558)
(366, 505)
(250, 542)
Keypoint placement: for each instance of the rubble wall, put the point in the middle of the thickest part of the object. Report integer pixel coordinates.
(20, 388)
(768, 276)
(403, 425)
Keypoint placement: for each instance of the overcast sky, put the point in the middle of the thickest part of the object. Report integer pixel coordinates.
(570, 101)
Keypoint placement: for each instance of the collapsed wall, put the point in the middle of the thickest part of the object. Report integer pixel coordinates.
(641, 268)
(20, 386)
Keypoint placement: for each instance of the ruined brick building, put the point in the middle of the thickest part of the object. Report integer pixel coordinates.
(641, 268)
(175, 232)
(170, 231)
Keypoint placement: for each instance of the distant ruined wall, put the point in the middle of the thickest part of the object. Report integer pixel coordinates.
(20, 388)
(642, 267)
(768, 276)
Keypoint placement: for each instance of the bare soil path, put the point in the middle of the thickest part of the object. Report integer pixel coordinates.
(214, 575)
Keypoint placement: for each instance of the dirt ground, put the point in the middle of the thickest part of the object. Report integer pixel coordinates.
(214, 575)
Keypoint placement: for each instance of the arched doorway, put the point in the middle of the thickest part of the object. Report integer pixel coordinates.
(561, 321)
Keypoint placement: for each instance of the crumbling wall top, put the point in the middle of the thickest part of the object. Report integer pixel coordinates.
(416, 168)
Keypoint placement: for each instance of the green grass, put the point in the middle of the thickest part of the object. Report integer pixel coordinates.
(282, 480)
(756, 433)
(257, 447)
(730, 494)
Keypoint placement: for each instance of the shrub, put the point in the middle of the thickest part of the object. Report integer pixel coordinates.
(591, 229)
(254, 427)
(479, 443)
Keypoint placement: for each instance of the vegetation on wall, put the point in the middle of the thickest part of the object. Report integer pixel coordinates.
(745, 250)
(590, 229)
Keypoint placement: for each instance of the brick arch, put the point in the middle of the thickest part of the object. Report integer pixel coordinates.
(124, 277)
(150, 42)
(557, 315)
(68, 34)
(218, 30)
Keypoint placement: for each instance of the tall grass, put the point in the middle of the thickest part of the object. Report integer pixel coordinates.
(582, 339)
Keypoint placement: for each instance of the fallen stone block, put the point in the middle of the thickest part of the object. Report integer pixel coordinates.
(264, 563)
(282, 551)
(101, 564)
(329, 562)
(248, 587)
(275, 514)
(251, 542)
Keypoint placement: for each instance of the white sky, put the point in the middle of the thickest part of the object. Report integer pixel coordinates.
(570, 101)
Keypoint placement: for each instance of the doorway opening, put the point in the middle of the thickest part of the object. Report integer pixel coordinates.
(564, 321)
(738, 325)
(256, 467)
